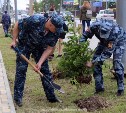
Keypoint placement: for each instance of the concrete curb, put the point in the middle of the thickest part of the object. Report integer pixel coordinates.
(7, 89)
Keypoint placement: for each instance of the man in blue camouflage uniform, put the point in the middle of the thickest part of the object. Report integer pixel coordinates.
(37, 35)
(112, 41)
(6, 22)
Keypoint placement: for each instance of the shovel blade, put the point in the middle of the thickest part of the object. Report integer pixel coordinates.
(57, 87)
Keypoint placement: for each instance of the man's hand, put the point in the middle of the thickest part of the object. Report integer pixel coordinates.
(110, 44)
(49, 50)
(89, 64)
(38, 67)
(13, 44)
(83, 39)
(88, 29)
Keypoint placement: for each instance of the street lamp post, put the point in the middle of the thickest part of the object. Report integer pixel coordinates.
(5, 4)
(0, 6)
(31, 7)
(61, 5)
(16, 17)
(8, 4)
(106, 4)
(121, 20)
(80, 3)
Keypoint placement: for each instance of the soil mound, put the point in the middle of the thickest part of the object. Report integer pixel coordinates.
(92, 103)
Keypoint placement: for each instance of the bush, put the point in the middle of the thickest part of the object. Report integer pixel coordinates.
(76, 54)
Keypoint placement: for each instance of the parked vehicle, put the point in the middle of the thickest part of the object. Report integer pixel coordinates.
(105, 14)
(68, 15)
(24, 16)
(42, 13)
(61, 14)
(39, 13)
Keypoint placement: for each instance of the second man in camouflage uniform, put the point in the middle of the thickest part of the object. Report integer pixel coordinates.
(112, 41)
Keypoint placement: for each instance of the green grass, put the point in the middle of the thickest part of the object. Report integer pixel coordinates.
(34, 100)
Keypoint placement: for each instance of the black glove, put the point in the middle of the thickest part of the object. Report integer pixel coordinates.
(83, 38)
(62, 35)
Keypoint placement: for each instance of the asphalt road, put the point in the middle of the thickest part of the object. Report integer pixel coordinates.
(93, 42)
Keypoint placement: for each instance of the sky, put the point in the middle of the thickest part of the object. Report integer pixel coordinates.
(21, 4)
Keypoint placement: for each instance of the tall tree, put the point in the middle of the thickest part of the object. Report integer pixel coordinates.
(36, 6)
(44, 5)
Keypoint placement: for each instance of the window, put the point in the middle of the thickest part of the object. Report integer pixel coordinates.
(109, 12)
(101, 12)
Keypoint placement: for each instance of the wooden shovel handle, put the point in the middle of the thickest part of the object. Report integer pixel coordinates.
(31, 64)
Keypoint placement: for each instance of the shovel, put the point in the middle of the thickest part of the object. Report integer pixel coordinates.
(55, 86)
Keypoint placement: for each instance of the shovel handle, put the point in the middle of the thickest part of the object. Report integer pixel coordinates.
(22, 56)
(31, 64)
(55, 86)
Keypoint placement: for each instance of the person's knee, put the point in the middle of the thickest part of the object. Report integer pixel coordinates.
(117, 64)
(22, 68)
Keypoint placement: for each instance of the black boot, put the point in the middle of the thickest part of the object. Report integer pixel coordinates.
(59, 56)
(6, 35)
(51, 57)
(18, 102)
(55, 100)
(120, 93)
(99, 90)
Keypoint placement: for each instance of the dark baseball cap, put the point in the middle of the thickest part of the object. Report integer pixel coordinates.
(105, 29)
(58, 22)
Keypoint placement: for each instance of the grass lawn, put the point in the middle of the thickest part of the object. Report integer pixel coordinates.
(34, 100)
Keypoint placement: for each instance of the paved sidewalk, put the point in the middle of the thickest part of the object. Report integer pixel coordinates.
(6, 102)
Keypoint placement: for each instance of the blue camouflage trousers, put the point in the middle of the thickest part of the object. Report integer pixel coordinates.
(117, 64)
(6, 27)
(21, 69)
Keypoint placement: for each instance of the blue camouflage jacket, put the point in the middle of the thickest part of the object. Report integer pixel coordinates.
(108, 32)
(31, 32)
(6, 19)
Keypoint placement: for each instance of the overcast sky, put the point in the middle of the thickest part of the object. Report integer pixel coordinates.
(21, 4)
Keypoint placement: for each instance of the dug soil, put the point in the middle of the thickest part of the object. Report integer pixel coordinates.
(57, 75)
(84, 79)
(92, 103)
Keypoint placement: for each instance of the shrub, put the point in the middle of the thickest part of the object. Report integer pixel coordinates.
(76, 54)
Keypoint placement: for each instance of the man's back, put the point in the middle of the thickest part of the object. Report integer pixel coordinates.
(6, 19)
(6, 22)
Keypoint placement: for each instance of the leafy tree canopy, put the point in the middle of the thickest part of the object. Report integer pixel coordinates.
(45, 5)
